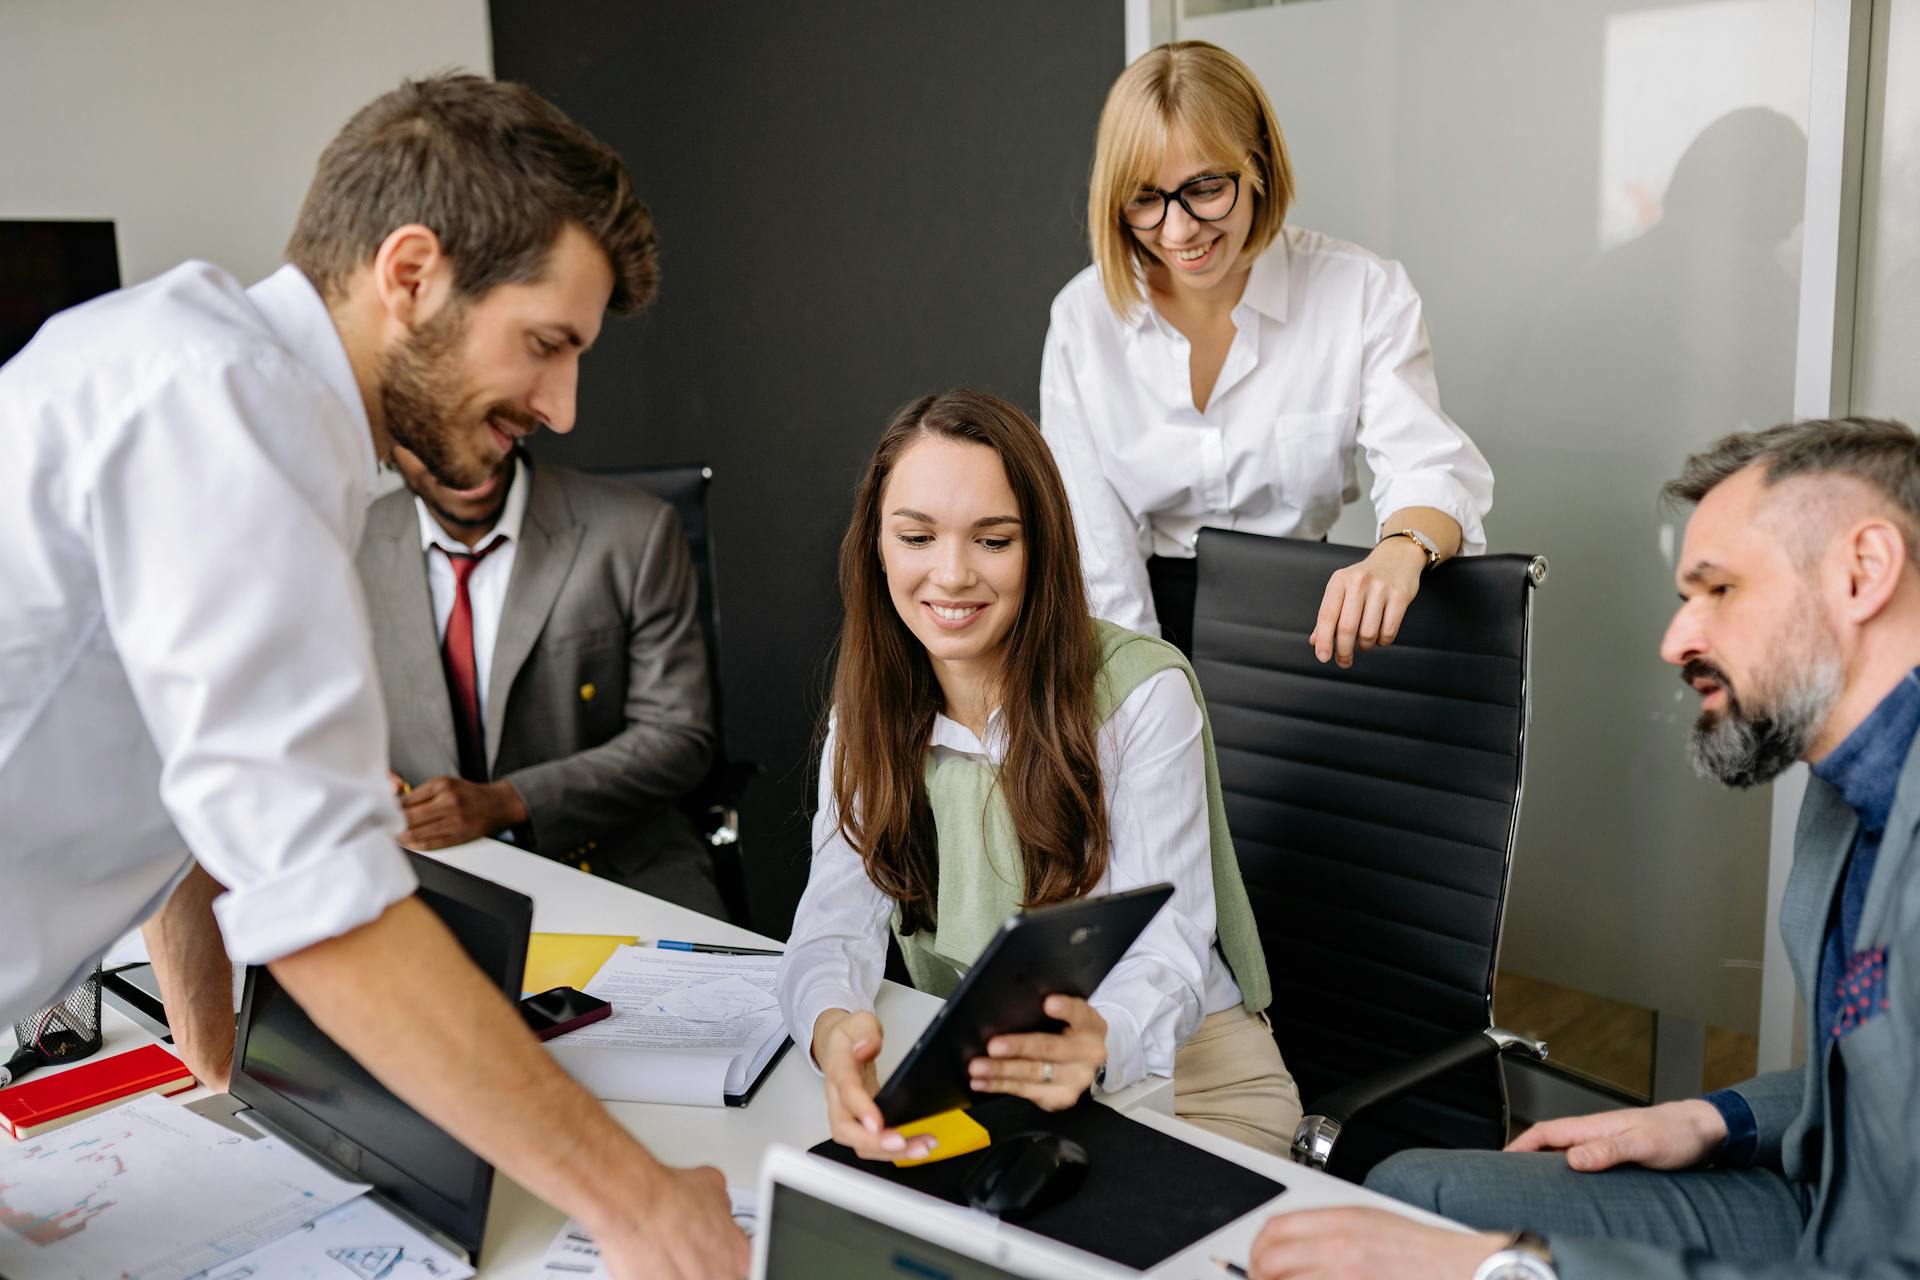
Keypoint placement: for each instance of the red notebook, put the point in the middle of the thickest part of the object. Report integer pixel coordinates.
(36, 1105)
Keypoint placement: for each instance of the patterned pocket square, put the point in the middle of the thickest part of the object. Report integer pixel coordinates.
(1862, 990)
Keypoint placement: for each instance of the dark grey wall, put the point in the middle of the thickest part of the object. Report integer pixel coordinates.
(858, 202)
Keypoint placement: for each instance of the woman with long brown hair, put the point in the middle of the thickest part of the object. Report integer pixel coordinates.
(993, 747)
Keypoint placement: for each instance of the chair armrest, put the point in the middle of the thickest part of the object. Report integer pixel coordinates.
(715, 807)
(1314, 1139)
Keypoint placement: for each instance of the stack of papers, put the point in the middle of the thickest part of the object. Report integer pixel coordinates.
(151, 1191)
(686, 1027)
(359, 1239)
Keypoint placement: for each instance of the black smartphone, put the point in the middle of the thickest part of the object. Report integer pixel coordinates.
(560, 1010)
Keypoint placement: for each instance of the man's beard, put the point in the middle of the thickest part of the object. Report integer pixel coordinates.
(1742, 745)
(422, 396)
(485, 520)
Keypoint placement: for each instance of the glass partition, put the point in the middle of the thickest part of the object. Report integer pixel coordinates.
(1886, 335)
(1599, 202)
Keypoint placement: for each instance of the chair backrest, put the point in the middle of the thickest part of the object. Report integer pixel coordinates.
(1373, 810)
(685, 489)
(713, 805)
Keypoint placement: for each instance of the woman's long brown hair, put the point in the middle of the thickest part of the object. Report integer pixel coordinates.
(885, 695)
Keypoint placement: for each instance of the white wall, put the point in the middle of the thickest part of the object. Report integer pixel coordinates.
(195, 124)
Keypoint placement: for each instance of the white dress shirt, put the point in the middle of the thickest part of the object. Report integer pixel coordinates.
(184, 654)
(1328, 351)
(486, 585)
(1153, 768)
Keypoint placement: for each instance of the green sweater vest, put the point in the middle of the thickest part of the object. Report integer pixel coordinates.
(982, 879)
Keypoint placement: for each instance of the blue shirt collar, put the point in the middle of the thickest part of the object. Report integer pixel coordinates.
(1865, 769)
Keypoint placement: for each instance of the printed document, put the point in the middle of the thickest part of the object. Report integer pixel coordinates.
(573, 1252)
(686, 1027)
(151, 1191)
(361, 1239)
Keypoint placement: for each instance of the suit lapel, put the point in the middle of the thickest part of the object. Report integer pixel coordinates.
(402, 605)
(548, 540)
(1821, 842)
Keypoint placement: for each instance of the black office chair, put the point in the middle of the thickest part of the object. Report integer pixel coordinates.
(714, 806)
(1373, 810)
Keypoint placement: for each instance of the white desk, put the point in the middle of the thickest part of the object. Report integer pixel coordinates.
(789, 1107)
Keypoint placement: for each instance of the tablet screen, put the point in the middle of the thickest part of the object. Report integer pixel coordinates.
(1065, 949)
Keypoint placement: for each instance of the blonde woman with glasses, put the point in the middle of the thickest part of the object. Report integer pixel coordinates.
(1215, 367)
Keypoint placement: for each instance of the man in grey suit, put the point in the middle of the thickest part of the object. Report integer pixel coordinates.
(558, 611)
(1799, 628)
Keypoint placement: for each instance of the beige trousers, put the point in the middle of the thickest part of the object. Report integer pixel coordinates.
(1229, 1080)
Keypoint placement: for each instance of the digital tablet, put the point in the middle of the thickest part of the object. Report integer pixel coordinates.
(1064, 949)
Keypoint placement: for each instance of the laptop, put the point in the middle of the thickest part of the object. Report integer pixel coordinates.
(823, 1221)
(300, 1086)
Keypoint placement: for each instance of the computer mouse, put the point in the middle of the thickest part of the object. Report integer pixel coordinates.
(1026, 1173)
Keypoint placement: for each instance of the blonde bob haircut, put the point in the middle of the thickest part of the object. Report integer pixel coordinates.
(1209, 95)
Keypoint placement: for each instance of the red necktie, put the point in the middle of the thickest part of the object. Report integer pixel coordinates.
(456, 655)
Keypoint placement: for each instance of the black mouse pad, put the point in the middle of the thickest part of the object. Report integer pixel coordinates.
(1147, 1196)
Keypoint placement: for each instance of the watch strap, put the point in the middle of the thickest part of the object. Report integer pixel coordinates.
(1418, 539)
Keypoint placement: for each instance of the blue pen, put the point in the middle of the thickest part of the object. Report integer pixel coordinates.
(713, 948)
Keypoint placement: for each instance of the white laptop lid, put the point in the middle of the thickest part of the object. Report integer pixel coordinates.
(821, 1219)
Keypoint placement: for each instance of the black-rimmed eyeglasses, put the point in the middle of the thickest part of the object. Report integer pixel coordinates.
(1207, 198)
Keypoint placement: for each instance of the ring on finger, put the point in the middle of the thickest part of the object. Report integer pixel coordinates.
(1046, 1073)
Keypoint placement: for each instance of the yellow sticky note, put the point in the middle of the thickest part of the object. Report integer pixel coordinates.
(567, 959)
(955, 1131)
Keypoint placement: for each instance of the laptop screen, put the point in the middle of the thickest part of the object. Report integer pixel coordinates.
(299, 1079)
(813, 1239)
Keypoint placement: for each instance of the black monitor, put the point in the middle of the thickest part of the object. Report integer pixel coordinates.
(47, 267)
(308, 1088)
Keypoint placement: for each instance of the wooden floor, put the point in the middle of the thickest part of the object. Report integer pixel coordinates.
(1607, 1040)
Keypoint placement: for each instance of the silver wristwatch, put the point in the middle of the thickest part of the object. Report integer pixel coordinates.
(1524, 1257)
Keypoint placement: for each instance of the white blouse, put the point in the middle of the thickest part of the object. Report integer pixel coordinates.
(1329, 351)
(1153, 765)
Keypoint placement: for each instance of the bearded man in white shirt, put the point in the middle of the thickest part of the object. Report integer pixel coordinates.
(184, 652)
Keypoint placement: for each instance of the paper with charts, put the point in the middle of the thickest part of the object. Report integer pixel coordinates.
(686, 1027)
(361, 1240)
(151, 1191)
(573, 1252)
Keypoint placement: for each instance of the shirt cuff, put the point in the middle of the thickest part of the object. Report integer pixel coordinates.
(808, 1010)
(1126, 1060)
(1743, 1134)
(1442, 493)
(323, 899)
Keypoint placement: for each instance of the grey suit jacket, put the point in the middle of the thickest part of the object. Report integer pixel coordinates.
(1845, 1127)
(598, 710)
